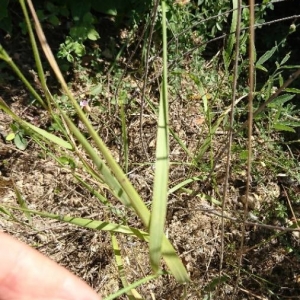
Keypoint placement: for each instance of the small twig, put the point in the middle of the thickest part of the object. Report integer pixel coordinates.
(248, 223)
(250, 132)
(230, 133)
(252, 294)
(290, 206)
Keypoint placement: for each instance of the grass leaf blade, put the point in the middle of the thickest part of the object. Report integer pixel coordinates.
(160, 190)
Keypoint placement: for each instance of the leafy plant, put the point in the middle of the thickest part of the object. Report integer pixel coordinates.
(18, 136)
(283, 113)
(82, 30)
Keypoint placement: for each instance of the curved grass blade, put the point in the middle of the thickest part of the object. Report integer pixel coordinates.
(132, 286)
(43, 133)
(90, 224)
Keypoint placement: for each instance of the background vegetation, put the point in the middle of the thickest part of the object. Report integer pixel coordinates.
(135, 128)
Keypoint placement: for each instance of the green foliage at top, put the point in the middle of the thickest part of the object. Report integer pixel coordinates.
(51, 11)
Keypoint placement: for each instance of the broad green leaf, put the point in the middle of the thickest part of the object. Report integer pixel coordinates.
(282, 127)
(160, 189)
(285, 59)
(266, 56)
(54, 20)
(20, 142)
(50, 137)
(96, 90)
(260, 67)
(280, 100)
(93, 35)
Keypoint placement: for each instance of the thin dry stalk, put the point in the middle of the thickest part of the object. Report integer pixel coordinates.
(230, 133)
(250, 124)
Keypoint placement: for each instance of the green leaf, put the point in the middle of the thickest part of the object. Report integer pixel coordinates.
(50, 137)
(280, 79)
(79, 49)
(266, 56)
(160, 188)
(54, 20)
(280, 100)
(10, 136)
(78, 33)
(260, 67)
(228, 50)
(88, 19)
(285, 59)
(67, 161)
(93, 35)
(290, 67)
(70, 58)
(91, 224)
(183, 184)
(51, 7)
(282, 127)
(292, 90)
(96, 90)
(15, 127)
(20, 141)
(131, 287)
(5, 211)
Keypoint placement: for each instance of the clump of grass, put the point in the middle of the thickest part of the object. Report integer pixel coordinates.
(105, 169)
